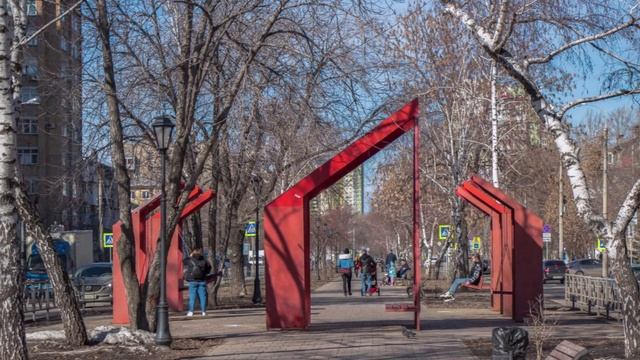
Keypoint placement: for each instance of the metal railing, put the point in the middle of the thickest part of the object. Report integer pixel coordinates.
(38, 299)
(593, 294)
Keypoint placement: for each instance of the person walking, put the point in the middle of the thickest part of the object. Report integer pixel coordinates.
(196, 269)
(390, 259)
(391, 272)
(367, 266)
(345, 266)
(476, 276)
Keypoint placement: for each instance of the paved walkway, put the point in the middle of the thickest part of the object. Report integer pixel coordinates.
(351, 327)
(358, 327)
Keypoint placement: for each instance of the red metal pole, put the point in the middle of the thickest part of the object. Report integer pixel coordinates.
(417, 260)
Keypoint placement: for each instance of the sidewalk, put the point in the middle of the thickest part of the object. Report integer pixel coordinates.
(351, 327)
(358, 327)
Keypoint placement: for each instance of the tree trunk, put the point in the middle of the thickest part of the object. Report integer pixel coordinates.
(630, 294)
(12, 341)
(125, 245)
(462, 254)
(237, 264)
(74, 328)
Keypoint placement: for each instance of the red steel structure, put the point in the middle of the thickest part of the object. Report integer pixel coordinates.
(516, 247)
(286, 224)
(146, 230)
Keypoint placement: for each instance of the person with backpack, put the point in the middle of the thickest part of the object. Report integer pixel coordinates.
(367, 266)
(196, 269)
(345, 264)
(474, 279)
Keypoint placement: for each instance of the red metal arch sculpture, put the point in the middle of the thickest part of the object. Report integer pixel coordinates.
(286, 224)
(516, 247)
(146, 229)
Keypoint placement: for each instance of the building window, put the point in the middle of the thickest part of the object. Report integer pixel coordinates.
(132, 195)
(30, 95)
(131, 163)
(31, 69)
(28, 126)
(33, 42)
(32, 186)
(64, 44)
(28, 155)
(145, 194)
(32, 10)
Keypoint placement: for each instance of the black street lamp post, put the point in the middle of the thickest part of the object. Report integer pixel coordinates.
(163, 130)
(257, 293)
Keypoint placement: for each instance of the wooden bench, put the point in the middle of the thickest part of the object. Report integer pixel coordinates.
(481, 285)
(567, 350)
(407, 307)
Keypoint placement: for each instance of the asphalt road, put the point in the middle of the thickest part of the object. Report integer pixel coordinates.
(554, 291)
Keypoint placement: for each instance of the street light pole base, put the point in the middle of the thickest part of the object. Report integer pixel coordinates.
(163, 334)
(257, 296)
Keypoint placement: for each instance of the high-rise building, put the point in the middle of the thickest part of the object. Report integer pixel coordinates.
(50, 127)
(349, 191)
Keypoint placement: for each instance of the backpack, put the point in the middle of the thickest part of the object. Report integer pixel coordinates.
(193, 271)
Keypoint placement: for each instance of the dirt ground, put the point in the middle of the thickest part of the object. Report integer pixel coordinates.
(180, 349)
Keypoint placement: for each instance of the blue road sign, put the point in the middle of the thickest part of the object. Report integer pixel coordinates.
(443, 231)
(546, 228)
(107, 240)
(250, 229)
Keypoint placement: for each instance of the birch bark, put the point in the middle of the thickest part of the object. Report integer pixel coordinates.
(12, 340)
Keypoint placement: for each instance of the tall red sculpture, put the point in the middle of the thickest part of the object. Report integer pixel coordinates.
(516, 247)
(286, 224)
(146, 229)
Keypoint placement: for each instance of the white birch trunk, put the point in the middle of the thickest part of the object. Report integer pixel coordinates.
(494, 126)
(12, 340)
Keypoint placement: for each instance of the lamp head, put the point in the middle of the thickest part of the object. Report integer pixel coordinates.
(163, 130)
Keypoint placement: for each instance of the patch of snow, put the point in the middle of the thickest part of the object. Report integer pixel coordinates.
(113, 335)
(46, 335)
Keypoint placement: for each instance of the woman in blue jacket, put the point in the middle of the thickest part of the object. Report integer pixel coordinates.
(345, 265)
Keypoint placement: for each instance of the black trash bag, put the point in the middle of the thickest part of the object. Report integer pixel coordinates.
(509, 343)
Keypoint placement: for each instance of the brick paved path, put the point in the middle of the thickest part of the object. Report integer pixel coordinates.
(351, 327)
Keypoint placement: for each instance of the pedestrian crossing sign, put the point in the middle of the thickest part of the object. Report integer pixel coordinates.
(250, 229)
(444, 231)
(602, 245)
(107, 240)
(476, 244)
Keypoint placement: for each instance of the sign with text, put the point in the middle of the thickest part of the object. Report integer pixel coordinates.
(107, 240)
(546, 237)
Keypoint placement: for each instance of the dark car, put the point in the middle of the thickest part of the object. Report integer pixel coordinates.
(93, 283)
(553, 270)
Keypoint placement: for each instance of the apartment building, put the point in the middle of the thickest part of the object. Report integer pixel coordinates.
(50, 128)
(143, 164)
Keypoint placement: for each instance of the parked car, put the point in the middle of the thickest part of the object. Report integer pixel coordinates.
(589, 267)
(93, 282)
(553, 270)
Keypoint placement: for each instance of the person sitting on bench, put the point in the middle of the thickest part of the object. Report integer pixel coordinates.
(476, 276)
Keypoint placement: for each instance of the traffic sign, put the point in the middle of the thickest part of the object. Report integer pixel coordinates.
(444, 231)
(250, 229)
(546, 228)
(476, 243)
(107, 240)
(601, 245)
(546, 237)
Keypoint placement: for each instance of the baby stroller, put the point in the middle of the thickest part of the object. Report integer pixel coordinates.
(374, 284)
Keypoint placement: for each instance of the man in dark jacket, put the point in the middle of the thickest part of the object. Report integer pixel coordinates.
(476, 276)
(196, 269)
(368, 265)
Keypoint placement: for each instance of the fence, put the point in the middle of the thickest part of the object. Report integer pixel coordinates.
(593, 294)
(38, 299)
